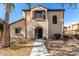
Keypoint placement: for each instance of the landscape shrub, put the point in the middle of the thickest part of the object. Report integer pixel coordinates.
(57, 36)
(15, 46)
(66, 37)
(45, 38)
(22, 42)
(71, 36)
(76, 36)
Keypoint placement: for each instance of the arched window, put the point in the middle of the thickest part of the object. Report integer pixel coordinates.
(54, 19)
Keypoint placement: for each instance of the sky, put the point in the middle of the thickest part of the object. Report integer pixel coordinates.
(71, 15)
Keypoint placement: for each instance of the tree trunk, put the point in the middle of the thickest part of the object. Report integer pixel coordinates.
(6, 28)
(6, 36)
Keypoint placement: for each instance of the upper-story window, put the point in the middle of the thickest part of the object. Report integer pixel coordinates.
(54, 19)
(39, 14)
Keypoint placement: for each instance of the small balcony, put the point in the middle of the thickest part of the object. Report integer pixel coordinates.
(39, 15)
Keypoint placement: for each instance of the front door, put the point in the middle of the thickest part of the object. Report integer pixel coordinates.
(38, 32)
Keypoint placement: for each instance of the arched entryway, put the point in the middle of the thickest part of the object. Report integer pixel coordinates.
(38, 32)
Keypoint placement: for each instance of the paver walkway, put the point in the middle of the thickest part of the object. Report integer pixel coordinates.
(39, 48)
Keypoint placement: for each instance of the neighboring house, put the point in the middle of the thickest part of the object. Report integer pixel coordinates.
(73, 29)
(38, 22)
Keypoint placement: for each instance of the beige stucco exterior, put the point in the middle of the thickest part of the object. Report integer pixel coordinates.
(18, 24)
(47, 26)
(55, 28)
(32, 24)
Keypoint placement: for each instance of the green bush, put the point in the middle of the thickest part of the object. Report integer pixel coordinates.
(66, 37)
(45, 38)
(76, 36)
(15, 46)
(71, 36)
(57, 36)
(22, 42)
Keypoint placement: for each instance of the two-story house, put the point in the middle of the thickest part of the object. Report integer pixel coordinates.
(38, 22)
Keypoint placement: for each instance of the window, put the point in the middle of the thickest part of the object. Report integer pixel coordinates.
(39, 14)
(17, 30)
(54, 19)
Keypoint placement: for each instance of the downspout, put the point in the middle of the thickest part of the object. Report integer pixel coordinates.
(63, 17)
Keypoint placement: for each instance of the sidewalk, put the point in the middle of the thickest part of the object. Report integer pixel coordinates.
(39, 48)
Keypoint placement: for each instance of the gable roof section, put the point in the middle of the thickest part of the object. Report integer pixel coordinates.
(38, 6)
(46, 8)
(17, 21)
(35, 7)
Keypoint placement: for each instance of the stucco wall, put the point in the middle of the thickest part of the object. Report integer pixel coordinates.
(16, 25)
(55, 28)
(32, 23)
(48, 28)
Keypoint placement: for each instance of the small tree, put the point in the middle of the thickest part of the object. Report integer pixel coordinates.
(6, 27)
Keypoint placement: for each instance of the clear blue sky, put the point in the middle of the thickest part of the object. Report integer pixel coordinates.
(70, 15)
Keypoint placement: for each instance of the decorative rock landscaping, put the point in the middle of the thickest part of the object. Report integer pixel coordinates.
(61, 48)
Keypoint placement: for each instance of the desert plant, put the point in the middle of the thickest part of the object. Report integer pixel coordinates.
(15, 46)
(65, 37)
(22, 42)
(71, 36)
(76, 36)
(45, 38)
(57, 36)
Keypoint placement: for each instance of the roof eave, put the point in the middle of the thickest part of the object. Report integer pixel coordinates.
(56, 9)
(17, 21)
